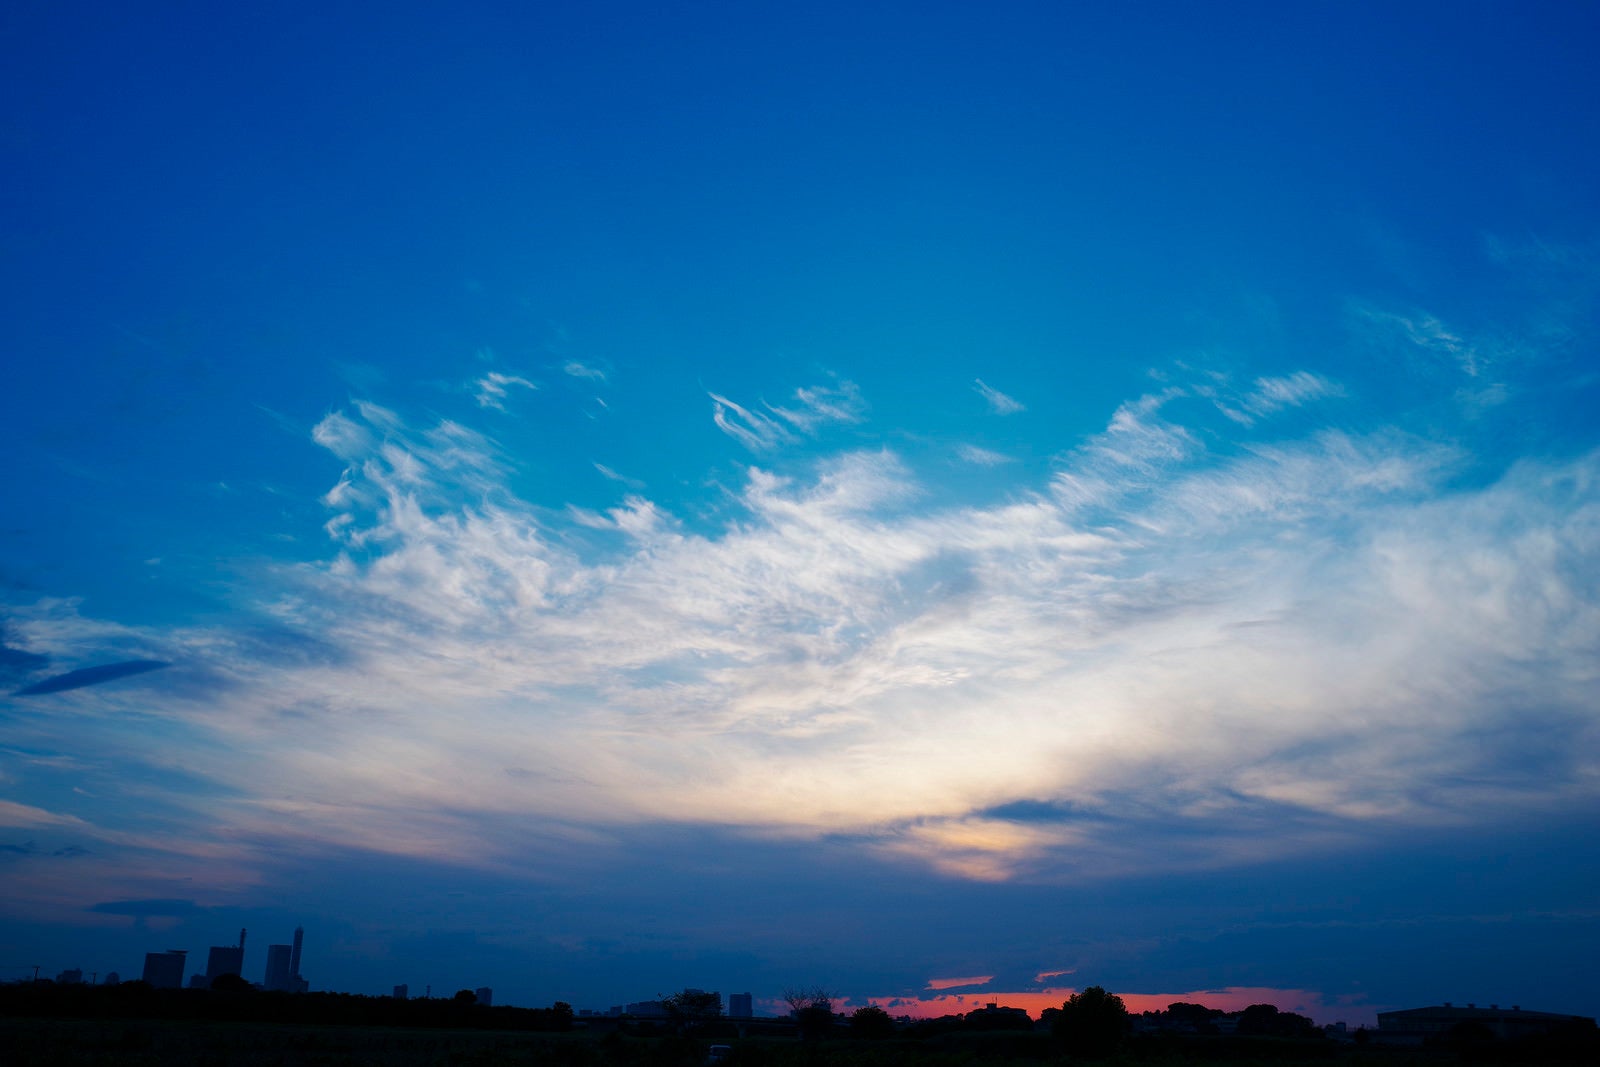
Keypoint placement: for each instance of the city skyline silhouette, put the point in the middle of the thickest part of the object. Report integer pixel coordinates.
(947, 504)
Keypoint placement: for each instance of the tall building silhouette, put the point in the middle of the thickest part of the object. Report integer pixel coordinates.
(277, 976)
(221, 960)
(164, 970)
(283, 966)
(225, 959)
(739, 1006)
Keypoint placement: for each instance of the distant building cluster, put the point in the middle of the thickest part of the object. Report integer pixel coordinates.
(164, 970)
(740, 1006)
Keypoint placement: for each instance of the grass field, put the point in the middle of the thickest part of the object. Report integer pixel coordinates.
(27, 1042)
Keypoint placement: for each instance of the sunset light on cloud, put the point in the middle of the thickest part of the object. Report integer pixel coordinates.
(1058, 500)
(1311, 1005)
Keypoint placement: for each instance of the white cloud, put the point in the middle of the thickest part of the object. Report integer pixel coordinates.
(812, 408)
(1431, 336)
(611, 475)
(492, 389)
(25, 815)
(982, 457)
(1325, 629)
(819, 404)
(999, 403)
(752, 429)
(1274, 394)
(582, 370)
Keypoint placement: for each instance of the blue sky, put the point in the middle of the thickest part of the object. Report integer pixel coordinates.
(737, 496)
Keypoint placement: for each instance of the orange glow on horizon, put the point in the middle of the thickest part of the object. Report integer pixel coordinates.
(1232, 998)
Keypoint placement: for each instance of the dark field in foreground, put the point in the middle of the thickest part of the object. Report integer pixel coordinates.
(168, 1043)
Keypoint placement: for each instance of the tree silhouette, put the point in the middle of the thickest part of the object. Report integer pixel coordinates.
(1091, 1023)
(1266, 1019)
(812, 1008)
(871, 1022)
(692, 1006)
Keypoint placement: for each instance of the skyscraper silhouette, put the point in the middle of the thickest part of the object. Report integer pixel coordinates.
(164, 970)
(278, 972)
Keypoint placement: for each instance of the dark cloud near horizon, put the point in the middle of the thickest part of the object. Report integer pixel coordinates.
(146, 908)
(28, 848)
(86, 676)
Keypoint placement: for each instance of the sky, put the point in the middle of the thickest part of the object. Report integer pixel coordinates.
(942, 503)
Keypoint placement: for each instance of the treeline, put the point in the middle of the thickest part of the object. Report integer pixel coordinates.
(1258, 1020)
(139, 1000)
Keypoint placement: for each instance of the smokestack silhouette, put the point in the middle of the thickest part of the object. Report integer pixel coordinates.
(241, 942)
(294, 956)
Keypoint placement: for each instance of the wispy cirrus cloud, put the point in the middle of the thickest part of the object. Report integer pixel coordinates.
(575, 369)
(1267, 395)
(611, 475)
(755, 431)
(492, 389)
(808, 410)
(998, 402)
(982, 457)
(1233, 654)
(812, 406)
(1273, 394)
(26, 815)
(1426, 334)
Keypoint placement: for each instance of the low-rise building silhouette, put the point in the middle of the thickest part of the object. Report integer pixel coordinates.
(1416, 1026)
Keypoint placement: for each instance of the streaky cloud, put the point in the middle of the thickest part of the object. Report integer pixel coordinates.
(819, 404)
(1275, 394)
(493, 388)
(1235, 649)
(755, 431)
(813, 407)
(573, 368)
(999, 402)
(87, 676)
(983, 457)
(162, 908)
